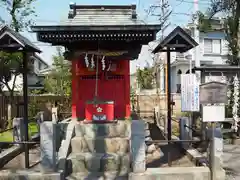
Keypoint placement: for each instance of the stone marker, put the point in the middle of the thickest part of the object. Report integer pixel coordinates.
(138, 146)
(218, 144)
(47, 142)
(18, 129)
(185, 132)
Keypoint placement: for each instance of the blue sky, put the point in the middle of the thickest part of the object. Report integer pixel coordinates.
(50, 12)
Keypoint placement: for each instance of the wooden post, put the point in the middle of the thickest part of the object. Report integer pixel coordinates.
(169, 122)
(166, 96)
(25, 107)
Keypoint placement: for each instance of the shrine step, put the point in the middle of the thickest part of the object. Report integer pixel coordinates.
(98, 162)
(118, 129)
(97, 176)
(100, 145)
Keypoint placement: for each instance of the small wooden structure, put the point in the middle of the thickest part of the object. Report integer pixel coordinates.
(11, 41)
(100, 41)
(217, 70)
(177, 41)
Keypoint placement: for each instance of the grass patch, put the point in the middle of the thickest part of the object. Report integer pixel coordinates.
(8, 135)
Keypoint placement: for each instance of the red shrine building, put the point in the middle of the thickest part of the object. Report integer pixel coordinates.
(100, 41)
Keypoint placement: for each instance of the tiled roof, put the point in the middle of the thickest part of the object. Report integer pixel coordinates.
(21, 39)
(102, 15)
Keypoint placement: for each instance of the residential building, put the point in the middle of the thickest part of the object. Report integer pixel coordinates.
(213, 49)
(35, 79)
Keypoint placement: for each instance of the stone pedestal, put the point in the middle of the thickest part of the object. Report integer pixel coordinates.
(18, 129)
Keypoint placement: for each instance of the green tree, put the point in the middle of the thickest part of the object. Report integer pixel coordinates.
(58, 81)
(21, 15)
(145, 78)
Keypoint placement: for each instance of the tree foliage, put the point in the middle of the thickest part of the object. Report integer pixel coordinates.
(21, 13)
(58, 81)
(145, 78)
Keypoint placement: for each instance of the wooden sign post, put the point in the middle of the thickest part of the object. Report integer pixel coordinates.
(213, 96)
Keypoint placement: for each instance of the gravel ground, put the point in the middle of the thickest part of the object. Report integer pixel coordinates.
(18, 163)
(178, 158)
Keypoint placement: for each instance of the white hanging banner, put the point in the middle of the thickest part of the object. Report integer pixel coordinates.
(189, 93)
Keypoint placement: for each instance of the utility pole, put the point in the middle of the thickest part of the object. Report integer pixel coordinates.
(165, 69)
(196, 35)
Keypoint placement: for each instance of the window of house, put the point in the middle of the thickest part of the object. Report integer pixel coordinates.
(39, 65)
(212, 46)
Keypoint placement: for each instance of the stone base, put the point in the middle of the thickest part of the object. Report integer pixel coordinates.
(89, 162)
(100, 145)
(119, 129)
(97, 176)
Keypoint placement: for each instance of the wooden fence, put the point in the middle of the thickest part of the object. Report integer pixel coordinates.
(36, 104)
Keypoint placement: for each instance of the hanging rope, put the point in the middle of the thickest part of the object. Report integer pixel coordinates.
(96, 81)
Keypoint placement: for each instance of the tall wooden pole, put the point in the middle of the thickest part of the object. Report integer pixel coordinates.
(166, 93)
(25, 107)
(169, 118)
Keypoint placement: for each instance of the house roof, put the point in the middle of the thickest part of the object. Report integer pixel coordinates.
(40, 59)
(217, 68)
(12, 40)
(178, 40)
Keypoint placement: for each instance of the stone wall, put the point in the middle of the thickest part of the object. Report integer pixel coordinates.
(145, 102)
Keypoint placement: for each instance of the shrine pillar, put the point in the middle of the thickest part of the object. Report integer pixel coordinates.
(74, 89)
(127, 89)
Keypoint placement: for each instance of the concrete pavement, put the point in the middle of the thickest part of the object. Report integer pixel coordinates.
(231, 161)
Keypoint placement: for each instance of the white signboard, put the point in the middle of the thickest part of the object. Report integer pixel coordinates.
(189, 93)
(214, 113)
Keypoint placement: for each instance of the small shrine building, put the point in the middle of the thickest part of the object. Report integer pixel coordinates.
(100, 41)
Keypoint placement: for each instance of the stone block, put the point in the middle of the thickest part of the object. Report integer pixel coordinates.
(65, 146)
(119, 129)
(98, 162)
(100, 145)
(138, 147)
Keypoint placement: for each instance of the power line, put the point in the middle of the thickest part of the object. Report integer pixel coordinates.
(191, 2)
